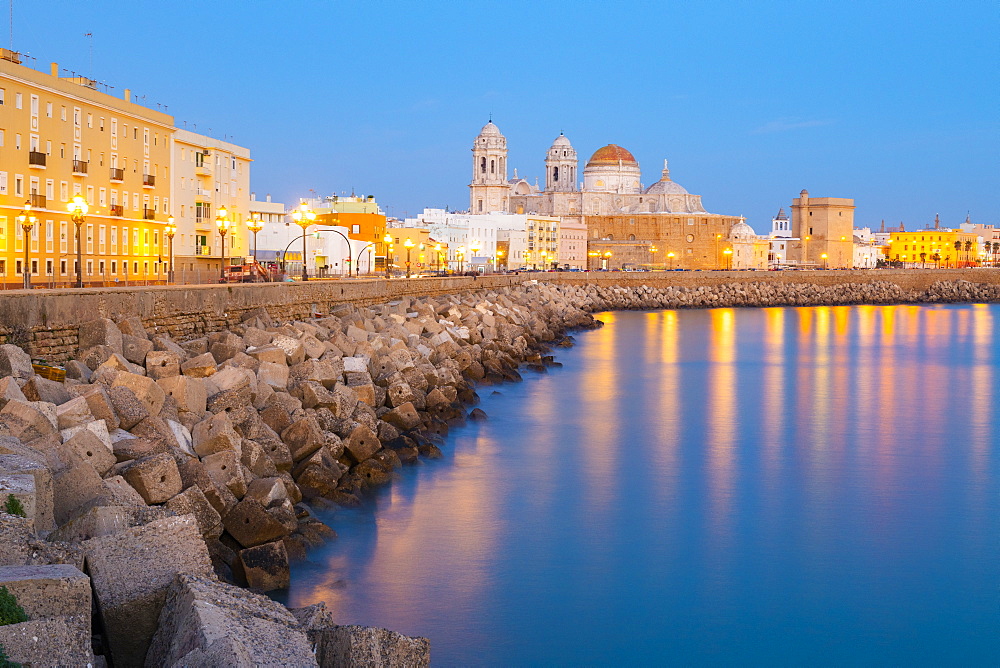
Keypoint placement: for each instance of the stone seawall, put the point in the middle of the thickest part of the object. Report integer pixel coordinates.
(45, 322)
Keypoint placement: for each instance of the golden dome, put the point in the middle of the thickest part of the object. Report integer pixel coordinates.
(610, 155)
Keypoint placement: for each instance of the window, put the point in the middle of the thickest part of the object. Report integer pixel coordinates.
(62, 267)
(1, 137)
(18, 100)
(48, 110)
(62, 113)
(3, 183)
(18, 185)
(1, 95)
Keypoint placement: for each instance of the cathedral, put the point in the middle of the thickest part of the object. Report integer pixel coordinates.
(611, 183)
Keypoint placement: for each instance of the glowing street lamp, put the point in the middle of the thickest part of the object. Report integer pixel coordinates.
(653, 250)
(388, 252)
(500, 255)
(409, 247)
(170, 232)
(437, 258)
(607, 259)
(304, 217)
(729, 257)
(255, 225)
(671, 256)
(26, 221)
(823, 257)
(78, 209)
(527, 258)
(805, 249)
(222, 223)
(461, 258)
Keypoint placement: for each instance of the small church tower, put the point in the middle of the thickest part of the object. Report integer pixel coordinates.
(780, 225)
(560, 166)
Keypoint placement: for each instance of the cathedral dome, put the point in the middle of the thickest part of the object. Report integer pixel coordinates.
(611, 155)
(741, 231)
(561, 141)
(490, 130)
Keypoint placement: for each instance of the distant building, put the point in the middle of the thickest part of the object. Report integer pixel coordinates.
(824, 227)
(941, 247)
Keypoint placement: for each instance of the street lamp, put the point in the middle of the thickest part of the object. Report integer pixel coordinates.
(255, 225)
(729, 257)
(78, 208)
(409, 247)
(460, 252)
(26, 221)
(653, 250)
(607, 259)
(823, 257)
(388, 252)
(304, 217)
(222, 223)
(671, 256)
(805, 250)
(437, 258)
(717, 237)
(500, 255)
(170, 232)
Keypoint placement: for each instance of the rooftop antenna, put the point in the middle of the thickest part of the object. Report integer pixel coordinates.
(11, 25)
(90, 40)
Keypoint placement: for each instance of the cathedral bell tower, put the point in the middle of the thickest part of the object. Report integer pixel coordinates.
(489, 190)
(560, 166)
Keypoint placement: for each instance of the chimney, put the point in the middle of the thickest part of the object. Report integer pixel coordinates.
(128, 95)
(55, 69)
(269, 197)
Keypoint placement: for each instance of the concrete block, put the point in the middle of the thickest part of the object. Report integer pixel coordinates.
(22, 487)
(42, 389)
(269, 353)
(226, 470)
(165, 344)
(156, 478)
(56, 590)
(133, 326)
(250, 524)
(145, 389)
(135, 349)
(131, 572)
(101, 407)
(9, 389)
(44, 518)
(74, 413)
(188, 392)
(355, 365)
(129, 409)
(19, 546)
(90, 448)
(362, 444)
(269, 492)
(75, 486)
(369, 646)
(107, 520)
(192, 501)
(228, 389)
(53, 641)
(404, 417)
(266, 566)
(120, 493)
(303, 437)
(274, 375)
(209, 623)
(100, 332)
(98, 428)
(293, 348)
(15, 362)
(34, 414)
(215, 434)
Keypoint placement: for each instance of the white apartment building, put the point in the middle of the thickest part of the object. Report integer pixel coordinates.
(208, 174)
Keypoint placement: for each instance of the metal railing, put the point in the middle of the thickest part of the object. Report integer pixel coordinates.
(117, 210)
(80, 166)
(202, 250)
(148, 214)
(36, 158)
(117, 174)
(37, 201)
(148, 180)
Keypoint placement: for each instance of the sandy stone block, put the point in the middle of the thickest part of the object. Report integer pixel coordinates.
(274, 375)
(188, 392)
(361, 444)
(266, 566)
(33, 414)
(74, 413)
(131, 572)
(88, 447)
(145, 389)
(9, 389)
(209, 623)
(22, 487)
(156, 478)
(74, 486)
(98, 428)
(267, 491)
(162, 364)
(18, 464)
(293, 348)
(404, 417)
(120, 493)
(42, 389)
(53, 641)
(129, 409)
(250, 524)
(268, 353)
(101, 407)
(135, 349)
(215, 434)
(303, 437)
(107, 520)
(201, 366)
(56, 590)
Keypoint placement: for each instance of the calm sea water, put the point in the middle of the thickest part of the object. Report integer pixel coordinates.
(783, 486)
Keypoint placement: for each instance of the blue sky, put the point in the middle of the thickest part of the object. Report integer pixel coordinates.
(895, 104)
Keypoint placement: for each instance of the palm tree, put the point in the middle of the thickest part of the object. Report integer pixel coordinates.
(968, 253)
(988, 247)
(958, 249)
(923, 260)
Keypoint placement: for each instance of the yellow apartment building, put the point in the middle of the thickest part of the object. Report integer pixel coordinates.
(934, 248)
(424, 254)
(61, 137)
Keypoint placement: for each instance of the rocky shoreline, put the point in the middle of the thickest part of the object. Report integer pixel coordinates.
(168, 483)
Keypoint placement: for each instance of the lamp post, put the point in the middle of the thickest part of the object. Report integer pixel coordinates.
(255, 225)
(805, 250)
(437, 258)
(653, 250)
(460, 252)
(607, 259)
(78, 208)
(222, 223)
(388, 252)
(500, 255)
(304, 217)
(357, 262)
(717, 237)
(474, 248)
(670, 255)
(170, 232)
(409, 247)
(823, 257)
(26, 221)
(729, 257)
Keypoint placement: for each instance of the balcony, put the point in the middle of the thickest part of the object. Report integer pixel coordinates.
(204, 169)
(80, 167)
(203, 193)
(37, 201)
(202, 250)
(117, 175)
(148, 214)
(36, 159)
(117, 210)
(148, 181)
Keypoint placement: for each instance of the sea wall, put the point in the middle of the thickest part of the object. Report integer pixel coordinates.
(45, 321)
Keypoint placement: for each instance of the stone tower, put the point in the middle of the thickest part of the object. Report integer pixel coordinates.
(824, 226)
(489, 190)
(560, 166)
